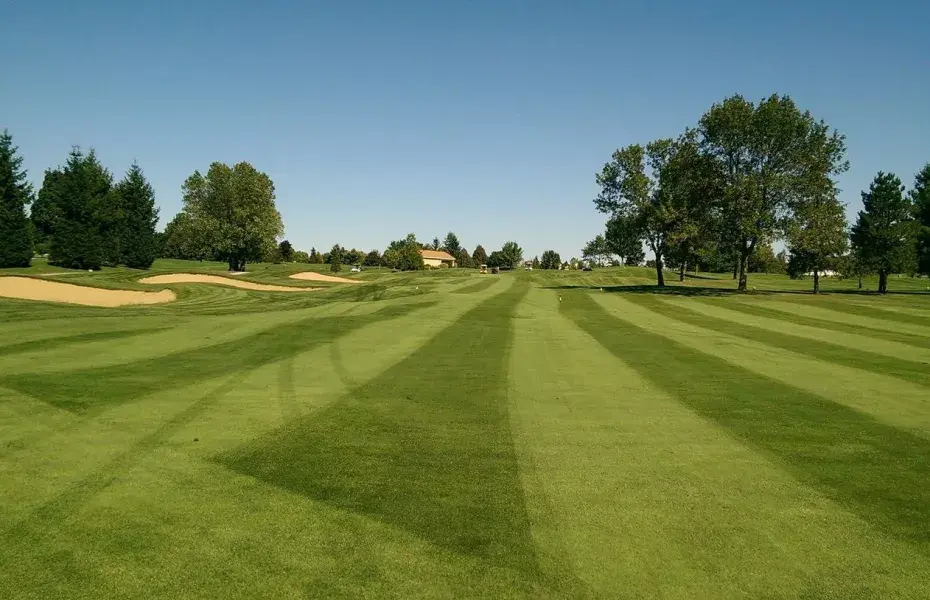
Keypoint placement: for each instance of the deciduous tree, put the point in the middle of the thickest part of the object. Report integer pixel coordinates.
(373, 259)
(15, 195)
(512, 255)
(817, 232)
(550, 260)
(234, 209)
(628, 192)
(624, 239)
(884, 234)
(597, 250)
(769, 155)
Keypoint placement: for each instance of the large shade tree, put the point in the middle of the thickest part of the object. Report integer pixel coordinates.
(769, 155)
(550, 260)
(233, 210)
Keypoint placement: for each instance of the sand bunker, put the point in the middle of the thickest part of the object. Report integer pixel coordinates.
(311, 276)
(25, 288)
(215, 279)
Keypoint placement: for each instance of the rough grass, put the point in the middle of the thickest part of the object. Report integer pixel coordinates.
(446, 434)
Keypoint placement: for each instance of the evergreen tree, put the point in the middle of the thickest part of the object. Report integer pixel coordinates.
(138, 219)
(921, 197)
(45, 211)
(286, 250)
(479, 256)
(883, 236)
(15, 194)
(82, 193)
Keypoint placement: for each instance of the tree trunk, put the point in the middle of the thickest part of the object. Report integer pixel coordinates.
(735, 269)
(882, 282)
(743, 271)
(860, 282)
(681, 271)
(232, 263)
(816, 280)
(660, 276)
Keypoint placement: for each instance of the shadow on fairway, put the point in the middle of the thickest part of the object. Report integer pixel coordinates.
(692, 290)
(425, 447)
(46, 344)
(877, 471)
(92, 389)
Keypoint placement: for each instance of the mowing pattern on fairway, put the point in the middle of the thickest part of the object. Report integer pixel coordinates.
(93, 389)
(879, 472)
(425, 447)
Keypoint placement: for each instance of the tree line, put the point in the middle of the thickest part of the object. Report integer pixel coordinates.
(81, 217)
(403, 254)
(748, 174)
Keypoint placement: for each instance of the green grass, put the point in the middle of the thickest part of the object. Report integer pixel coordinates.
(448, 434)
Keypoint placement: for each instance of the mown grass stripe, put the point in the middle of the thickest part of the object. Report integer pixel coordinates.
(93, 389)
(880, 472)
(797, 319)
(476, 287)
(823, 318)
(888, 399)
(44, 344)
(426, 446)
(913, 371)
(875, 312)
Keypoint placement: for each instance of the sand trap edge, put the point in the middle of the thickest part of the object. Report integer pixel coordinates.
(44, 290)
(314, 276)
(175, 278)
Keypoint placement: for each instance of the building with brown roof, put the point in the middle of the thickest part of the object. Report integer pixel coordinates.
(437, 258)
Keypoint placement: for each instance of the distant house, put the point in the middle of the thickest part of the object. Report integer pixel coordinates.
(437, 258)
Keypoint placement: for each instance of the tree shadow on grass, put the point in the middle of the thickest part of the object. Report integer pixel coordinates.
(693, 290)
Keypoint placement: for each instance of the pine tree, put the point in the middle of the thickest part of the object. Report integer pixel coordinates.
(15, 194)
(921, 197)
(82, 197)
(883, 236)
(136, 200)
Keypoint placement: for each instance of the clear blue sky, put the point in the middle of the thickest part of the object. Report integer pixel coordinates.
(485, 117)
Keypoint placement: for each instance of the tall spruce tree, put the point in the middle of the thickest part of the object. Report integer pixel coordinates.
(82, 196)
(136, 200)
(883, 236)
(45, 212)
(15, 195)
(920, 194)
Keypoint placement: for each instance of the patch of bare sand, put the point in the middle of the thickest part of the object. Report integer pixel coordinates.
(26, 288)
(311, 276)
(217, 280)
